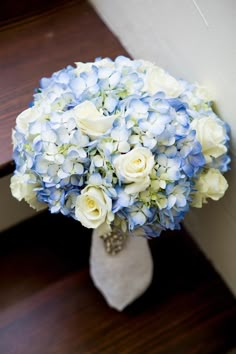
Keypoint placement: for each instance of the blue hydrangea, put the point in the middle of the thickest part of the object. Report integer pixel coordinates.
(86, 121)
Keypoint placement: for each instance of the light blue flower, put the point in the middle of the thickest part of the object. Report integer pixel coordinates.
(62, 160)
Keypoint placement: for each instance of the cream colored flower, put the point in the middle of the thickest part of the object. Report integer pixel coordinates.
(134, 168)
(92, 122)
(93, 207)
(105, 63)
(24, 118)
(211, 135)
(202, 93)
(22, 189)
(210, 184)
(82, 67)
(198, 99)
(157, 79)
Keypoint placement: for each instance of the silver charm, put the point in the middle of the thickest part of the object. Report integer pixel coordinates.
(114, 241)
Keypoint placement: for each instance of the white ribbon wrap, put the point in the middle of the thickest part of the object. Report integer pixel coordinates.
(123, 277)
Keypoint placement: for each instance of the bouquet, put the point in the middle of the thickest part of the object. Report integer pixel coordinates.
(121, 146)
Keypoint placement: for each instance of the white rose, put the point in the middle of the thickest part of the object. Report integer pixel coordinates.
(93, 208)
(24, 118)
(22, 189)
(134, 169)
(156, 79)
(211, 135)
(92, 122)
(210, 184)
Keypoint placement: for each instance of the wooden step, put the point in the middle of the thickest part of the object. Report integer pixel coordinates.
(48, 303)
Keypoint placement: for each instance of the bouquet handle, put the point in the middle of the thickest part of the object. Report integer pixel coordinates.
(122, 277)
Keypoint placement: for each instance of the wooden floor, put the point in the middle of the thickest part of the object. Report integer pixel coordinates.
(49, 305)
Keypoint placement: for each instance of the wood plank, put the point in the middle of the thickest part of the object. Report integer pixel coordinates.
(48, 303)
(36, 47)
(13, 10)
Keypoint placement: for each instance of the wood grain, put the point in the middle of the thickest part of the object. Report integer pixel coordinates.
(13, 10)
(48, 303)
(36, 47)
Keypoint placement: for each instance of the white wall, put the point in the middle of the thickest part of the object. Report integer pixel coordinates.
(194, 40)
(11, 211)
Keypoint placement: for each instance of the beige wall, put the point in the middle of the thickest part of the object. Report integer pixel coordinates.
(194, 40)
